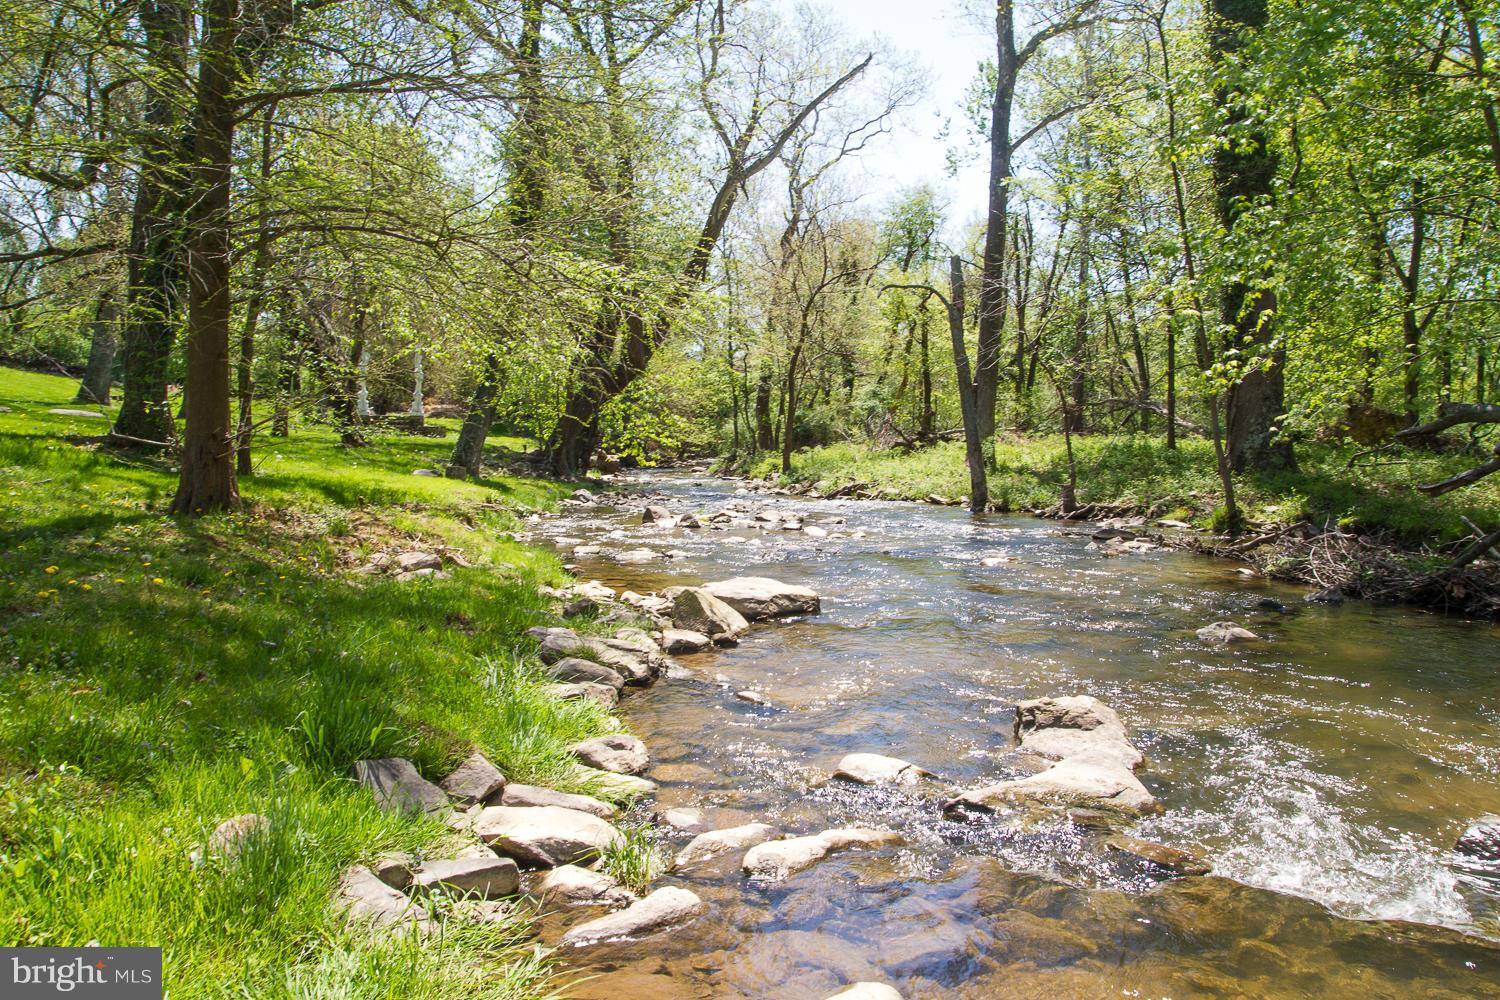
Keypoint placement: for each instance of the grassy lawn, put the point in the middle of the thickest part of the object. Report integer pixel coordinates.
(1376, 495)
(157, 677)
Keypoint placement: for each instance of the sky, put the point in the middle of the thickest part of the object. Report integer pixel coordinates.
(949, 47)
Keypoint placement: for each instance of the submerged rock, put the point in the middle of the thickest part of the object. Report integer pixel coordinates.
(619, 753)
(570, 885)
(1481, 841)
(875, 769)
(475, 780)
(759, 597)
(663, 909)
(684, 819)
(545, 836)
(778, 859)
(398, 787)
(1169, 859)
(1225, 633)
(716, 843)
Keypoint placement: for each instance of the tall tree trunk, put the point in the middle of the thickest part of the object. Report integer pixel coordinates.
(254, 305)
(765, 435)
(468, 452)
(924, 426)
(789, 411)
(103, 343)
(1138, 344)
(1244, 169)
(979, 486)
(1075, 415)
(992, 291)
(207, 479)
(153, 284)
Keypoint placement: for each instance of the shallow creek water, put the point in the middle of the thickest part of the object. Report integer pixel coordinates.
(1324, 771)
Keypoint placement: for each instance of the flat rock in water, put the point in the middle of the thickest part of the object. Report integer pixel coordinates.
(604, 694)
(1091, 745)
(684, 819)
(475, 780)
(778, 859)
(572, 669)
(365, 899)
(867, 991)
(753, 697)
(571, 885)
(490, 877)
(619, 753)
(664, 909)
(759, 597)
(694, 609)
(657, 515)
(584, 496)
(679, 640)
(1225, 633)
(1169, 859)
(875, 769)
(546, 836)
(398, 786)
(632, 557)
(1073, 782)
(717, 843)
(535, 795)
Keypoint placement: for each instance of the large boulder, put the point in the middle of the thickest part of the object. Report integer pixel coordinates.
(716, 843)
(694, 609)
(484, 874)
(665, 908)
(875, 769)
(398, 787)
(778, 859)
(759, 597)
(535, 795)
(545, 836)
(571, 885)
(475, 780)
(1072, 782)
(363, 898)
(1077, 726)
(619, 753)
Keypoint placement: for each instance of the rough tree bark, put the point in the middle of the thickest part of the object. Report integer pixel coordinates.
(153, 284)
(207, 479)
(1244, 168)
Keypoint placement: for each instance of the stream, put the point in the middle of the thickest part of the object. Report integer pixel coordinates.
(1324, 771)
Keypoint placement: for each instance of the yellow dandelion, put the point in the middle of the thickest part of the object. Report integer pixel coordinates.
(50, 569)
(88, 586)
(119, 579)
(157, 580)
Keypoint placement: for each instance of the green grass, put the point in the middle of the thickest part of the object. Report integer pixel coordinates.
(1376, 495)
(159, 676)
(634, 858)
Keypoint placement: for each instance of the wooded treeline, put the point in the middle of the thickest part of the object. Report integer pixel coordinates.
(636, 225)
